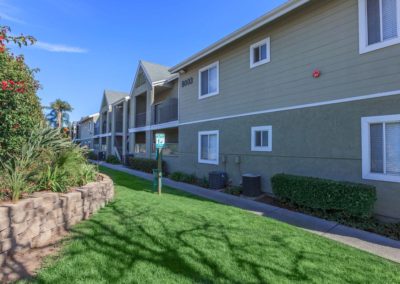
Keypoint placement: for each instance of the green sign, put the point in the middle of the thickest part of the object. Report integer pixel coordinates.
(160, 140)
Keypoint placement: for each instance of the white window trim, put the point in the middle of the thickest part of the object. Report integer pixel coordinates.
(363, 30)
(253, 139)
(266, 41)
(202, 161)
(366, 147)
(215, 64)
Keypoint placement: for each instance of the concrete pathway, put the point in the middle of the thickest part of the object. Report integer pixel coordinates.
(372, 243)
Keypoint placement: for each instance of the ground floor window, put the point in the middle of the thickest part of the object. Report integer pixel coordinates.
(381, 148)
(208, 147)
(261, 138)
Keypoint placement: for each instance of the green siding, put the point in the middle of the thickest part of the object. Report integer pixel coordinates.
(322, 35)
(320, 141)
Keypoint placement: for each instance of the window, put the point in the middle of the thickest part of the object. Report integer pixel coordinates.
(381, 148)
(209, 81)
(209, 147)
(261, 138)
(260, 53)
(379, 24)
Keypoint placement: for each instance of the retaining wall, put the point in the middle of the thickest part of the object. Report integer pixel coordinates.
(42, 219)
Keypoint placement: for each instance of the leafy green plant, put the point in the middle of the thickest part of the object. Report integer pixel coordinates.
(92, 156)
(46, 162)
(20, 109)
(176, 176)
(53, 179)
(189, 178)
(343, 198)
(111, 159)
(234, 190)
(144, 165)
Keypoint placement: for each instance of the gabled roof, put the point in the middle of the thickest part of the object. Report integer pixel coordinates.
(111, 97)
(259, 22)
(155, 72)
(92, 117)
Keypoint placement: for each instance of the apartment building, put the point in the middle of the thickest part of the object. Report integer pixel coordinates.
(154, 108)
(110, 130)
(311, 88)
(85, 129)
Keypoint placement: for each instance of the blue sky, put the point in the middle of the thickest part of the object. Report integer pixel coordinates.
(86, 46)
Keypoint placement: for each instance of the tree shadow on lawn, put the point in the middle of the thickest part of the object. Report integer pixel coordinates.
(132, 241)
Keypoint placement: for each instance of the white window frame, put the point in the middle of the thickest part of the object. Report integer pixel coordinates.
(255, 148)
(210, 162)
(215, 64)
(363, 29)
(366, 147)
(267, 42)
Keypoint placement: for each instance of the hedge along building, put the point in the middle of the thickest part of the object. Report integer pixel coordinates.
(311, 88)
(154, 108)
(111, 129)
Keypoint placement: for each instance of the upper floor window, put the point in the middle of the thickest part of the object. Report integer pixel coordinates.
(209, 81)
(381, 148)
(379, 24)
(260, 53)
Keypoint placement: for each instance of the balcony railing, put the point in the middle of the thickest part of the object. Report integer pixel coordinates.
(140, 120)
(119, 126)
(104, 129)
(165, 112)
(140, 148)
(97, 130)
(169, 148)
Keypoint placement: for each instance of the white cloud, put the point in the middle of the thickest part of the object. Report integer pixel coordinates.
(59, 47)
(4, 16)
(8, 12)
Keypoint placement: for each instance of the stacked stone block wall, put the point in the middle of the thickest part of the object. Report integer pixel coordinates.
(40, 220)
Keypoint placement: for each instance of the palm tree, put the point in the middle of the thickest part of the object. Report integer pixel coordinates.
(59, 110)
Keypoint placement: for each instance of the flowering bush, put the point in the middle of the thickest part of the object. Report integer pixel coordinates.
(20, 108)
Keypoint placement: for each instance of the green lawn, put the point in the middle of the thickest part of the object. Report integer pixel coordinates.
(178, 238)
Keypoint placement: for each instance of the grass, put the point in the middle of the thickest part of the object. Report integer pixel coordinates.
(178, 238)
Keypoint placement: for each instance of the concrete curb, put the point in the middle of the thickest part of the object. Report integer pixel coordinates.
(369, 242)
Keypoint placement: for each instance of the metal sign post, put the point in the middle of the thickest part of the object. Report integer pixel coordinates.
(160, 144)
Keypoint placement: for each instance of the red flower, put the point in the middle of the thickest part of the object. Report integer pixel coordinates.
(4, 85)
(1, 37)
(2, 47)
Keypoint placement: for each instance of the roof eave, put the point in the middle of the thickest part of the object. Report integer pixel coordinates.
(261, 21)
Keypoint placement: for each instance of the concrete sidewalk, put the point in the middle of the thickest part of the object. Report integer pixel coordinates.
(372, 243)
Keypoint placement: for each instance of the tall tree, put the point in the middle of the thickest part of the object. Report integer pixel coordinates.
(60, 108)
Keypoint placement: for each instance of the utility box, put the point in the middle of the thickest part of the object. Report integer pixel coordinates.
(217, 179)
(251, 185)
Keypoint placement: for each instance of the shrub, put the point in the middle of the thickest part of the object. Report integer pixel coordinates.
(20, 108)
(46, 162)
(189, 178)
(234, 190)
(176, 176)
(186, 178)
(344, 198)
(113, 160)
(92, 156)
(144, 165)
